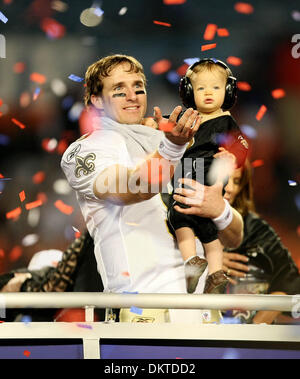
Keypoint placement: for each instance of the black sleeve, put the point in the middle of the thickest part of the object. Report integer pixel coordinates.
(285, 276)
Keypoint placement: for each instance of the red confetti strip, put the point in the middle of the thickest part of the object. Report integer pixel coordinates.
(208, 46)
(26, 353)
(1, 176)
(22, 196)
(161, 66)
(38, 78)
(62, 146)
(182, 69)
(125, 273)
(235, 61)
(19, 67)
(14, 213)
(223, 32)
(210, 32)
(244, 8)
(42, 197)
(38, 177)
(52, 28)
(18, 123)
(243, 86)
(278, 93)
(162, 23)
(15, 253)
(33, 204)
(260, 114)
(298, 232)
(174, 2)
(2, 254)
(257, 163)
(166, 126)
(64, 208)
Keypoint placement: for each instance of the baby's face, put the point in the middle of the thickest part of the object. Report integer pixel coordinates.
(209, 90)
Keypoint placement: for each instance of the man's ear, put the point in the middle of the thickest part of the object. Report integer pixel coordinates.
(97, 101)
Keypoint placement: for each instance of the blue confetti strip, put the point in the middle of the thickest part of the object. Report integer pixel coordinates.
(136, 310)
(3, 18)
(84, 326)
(75, 78)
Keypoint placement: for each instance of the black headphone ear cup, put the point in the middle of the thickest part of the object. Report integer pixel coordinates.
(186, 93)
(230, 93)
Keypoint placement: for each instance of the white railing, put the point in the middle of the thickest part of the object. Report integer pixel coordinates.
(92, 335)
(283, 303)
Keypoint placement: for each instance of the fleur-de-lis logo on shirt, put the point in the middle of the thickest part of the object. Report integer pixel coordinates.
(84, 165)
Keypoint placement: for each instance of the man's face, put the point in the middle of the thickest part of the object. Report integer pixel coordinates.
(124, 96)
(209, 90)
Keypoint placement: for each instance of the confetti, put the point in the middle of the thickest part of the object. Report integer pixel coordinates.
(208, 46)
(2, 254)
(26, 353)
(75, 229)
(174, 2)
(98, 12)
(15, 213)
(4, 139)
(38, 177)
(210, 32)
(26, 319)
(261, 112)
(292, 183)
(49, 144)
(75, 78)
(161, 66)
(234, 61)
(222, 32)
(257, 163)
(18, 123)
(249, 131)
(166, 126)
(298, 232)
(30, 240)
(84, 326)
(33, 204)
(15, 254)
(64, 208)
(36, 93)
(182, 69)
(122, 11)
(244, 8)
(136, 310)
(3, 18)
(22, 196)
(278, 93)
(296, 15)
(38, 78)
(90, 18)
(125, 273)
(52, 28)
(62, 146)
(173, 77)
(162, 23)
(243, 86)
(19, 67)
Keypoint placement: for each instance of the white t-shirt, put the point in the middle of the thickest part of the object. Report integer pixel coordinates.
(134, 249)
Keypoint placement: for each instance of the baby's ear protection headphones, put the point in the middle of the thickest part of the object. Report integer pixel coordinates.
(186, 91)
